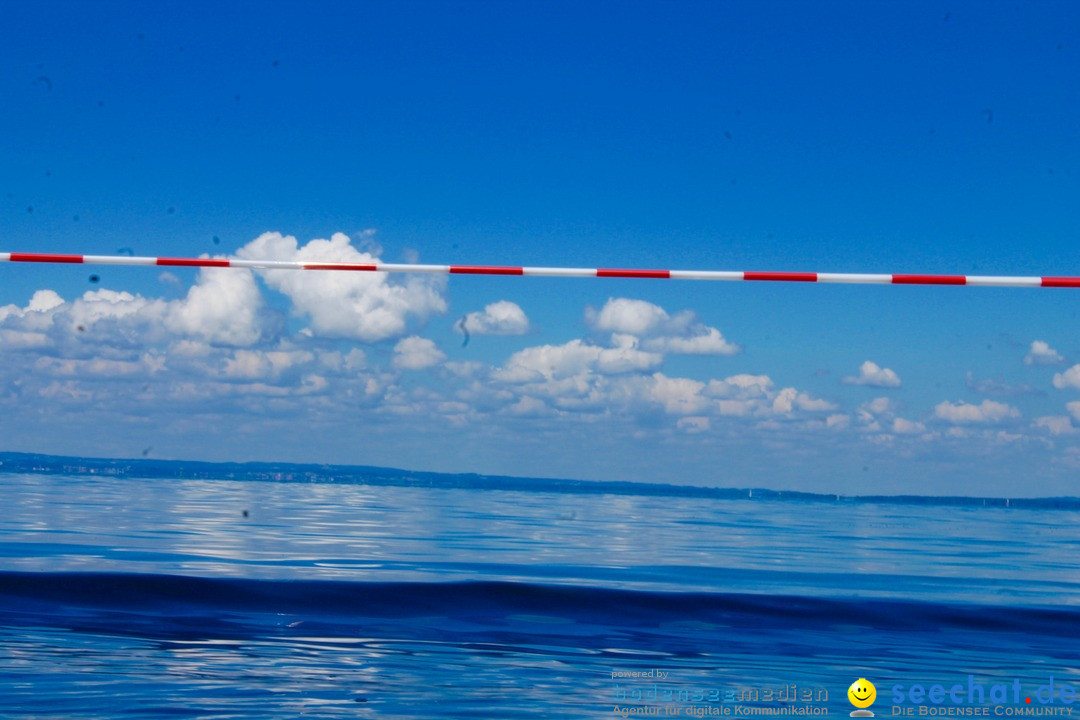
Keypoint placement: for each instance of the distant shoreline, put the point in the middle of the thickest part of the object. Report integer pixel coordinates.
(40, 464)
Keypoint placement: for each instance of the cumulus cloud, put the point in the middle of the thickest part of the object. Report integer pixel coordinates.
(252, 364)
(416, 353)
(872, 375)
(365, 306)
(1068, 379)
(678, 396)
(680, 334)
(962, 412)
(789, 399)
(1055, 424)
(879, 416)
(708, 342)
(550, 362)
(28, 327)
(838, 421)
(592, 380)
(631, 317)
(223, 307)
(1042, 354)
(900, 426)
(498, 318)
(879, 406)
(43, 300)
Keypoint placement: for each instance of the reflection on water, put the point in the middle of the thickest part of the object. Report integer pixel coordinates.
(322, 531)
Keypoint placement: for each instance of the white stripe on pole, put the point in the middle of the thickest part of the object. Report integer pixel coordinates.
(117, 260)
(706, 275)
(558, 272)
(855, 278)
(1003, 281)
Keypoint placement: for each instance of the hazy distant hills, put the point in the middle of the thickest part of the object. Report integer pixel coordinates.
(33, 463)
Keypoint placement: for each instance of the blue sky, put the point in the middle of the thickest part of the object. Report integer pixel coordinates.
(845, 137)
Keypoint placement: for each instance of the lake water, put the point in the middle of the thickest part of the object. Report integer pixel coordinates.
(128, 598)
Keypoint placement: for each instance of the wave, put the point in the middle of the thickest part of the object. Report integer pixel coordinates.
(204, 605)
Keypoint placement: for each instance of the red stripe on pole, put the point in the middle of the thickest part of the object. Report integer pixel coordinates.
(781, 276)
(1061, 282)
(193, 262)
(608, 272)
(929, 280)
(344, 266)
(485, 270)
(45, 257)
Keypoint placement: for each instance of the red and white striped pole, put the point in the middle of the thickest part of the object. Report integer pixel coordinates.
(731, 275)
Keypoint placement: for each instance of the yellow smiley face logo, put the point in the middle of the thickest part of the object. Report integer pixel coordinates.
(862, 693)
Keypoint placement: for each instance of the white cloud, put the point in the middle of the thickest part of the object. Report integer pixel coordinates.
(257, 364)
(1055, 424)
(988, 412)
(355, 359)
(678, 396)
(741, 395)
(44, 300)
(680, 334)
(879, 416)
(169, 278)
(900, 426)
(592, 381)
(1074, 409)
(498, 318)
(838, 421)
(742, 387)
(790, 399)
(1042, 354)
(709, 342)
(552, 362)
(633, 317)
(28, 328)
(528, 406)
(366, 306)
(880, 406)
(467, 369)
(416, 353)
(1068, 379)
(874, 376)
(23, 340)
(224, 306)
